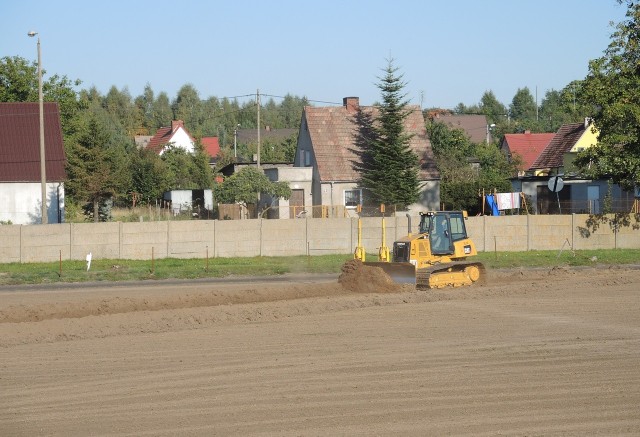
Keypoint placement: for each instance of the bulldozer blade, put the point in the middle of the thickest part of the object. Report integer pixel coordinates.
(402, 273)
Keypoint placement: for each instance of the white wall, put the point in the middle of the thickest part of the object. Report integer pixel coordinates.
(181, 139)
(182, 200)
(20, 202)
(298, 178)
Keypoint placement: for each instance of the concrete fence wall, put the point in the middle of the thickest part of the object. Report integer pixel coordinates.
(262, 237)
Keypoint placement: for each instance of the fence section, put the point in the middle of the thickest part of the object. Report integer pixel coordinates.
(262, 237)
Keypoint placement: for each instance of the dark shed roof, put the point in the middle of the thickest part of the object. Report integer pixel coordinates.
(20, 143)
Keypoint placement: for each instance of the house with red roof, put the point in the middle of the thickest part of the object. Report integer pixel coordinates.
(20, 179)
(553, 183)
(526, 146)
(171, 136)
(326, 144)
(211, 146)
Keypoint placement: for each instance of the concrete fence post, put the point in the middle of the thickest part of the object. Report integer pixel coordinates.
(260, 248)
(306, 233)
(120, 240)
(168, 239)
(573, 231)
(528, 232)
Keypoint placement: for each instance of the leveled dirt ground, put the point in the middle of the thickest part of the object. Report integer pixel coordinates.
(532, 352)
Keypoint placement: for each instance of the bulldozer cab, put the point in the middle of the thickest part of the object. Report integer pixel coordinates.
(443, 229)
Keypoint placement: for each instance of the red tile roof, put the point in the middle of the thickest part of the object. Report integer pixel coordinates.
(528, 146)
(553, 155)
(164, 136)
(211, 146)
(332, 131)
(20, 143)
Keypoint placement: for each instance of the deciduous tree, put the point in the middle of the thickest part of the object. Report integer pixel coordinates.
(245, 185)
(612, 87)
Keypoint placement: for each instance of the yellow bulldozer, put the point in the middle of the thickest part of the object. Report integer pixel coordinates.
(437, 256)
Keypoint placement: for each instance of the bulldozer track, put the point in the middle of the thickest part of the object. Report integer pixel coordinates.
(451, 274)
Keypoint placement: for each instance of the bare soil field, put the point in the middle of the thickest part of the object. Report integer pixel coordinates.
(531, 352)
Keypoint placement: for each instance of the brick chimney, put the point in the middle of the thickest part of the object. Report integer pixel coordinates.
(351, 103)
(175, 124)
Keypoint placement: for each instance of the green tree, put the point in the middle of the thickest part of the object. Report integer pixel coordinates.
(245, 185)
(562, 107)
(612, 87)
(523, 105)
(188, 107)
(185, 170)
(161, 112)
(149, 177)
(492, 108)
(123, 111)
(389, 167)
(144, 108)
(96, 165)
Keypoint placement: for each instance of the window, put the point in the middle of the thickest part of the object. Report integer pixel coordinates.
(352, 198)
(307, 158)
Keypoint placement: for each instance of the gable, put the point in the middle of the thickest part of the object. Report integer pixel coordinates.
(588, 139)
(20, 143)
(175, 134)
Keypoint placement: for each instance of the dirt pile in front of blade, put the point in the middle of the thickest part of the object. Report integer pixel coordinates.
(361, 278)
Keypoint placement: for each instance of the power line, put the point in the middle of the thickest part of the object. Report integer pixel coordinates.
(308, 100)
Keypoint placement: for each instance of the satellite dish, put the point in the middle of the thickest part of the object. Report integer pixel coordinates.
(555, 184)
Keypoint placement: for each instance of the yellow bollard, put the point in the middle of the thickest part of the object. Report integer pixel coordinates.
(383, 253)
(359, 253)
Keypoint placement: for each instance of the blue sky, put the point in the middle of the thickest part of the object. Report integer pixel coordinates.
(448, 52)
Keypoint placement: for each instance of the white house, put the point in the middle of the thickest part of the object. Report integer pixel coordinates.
(20, 179)
(175, 135)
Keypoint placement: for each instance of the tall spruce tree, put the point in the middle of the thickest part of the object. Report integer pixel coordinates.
(389, 168)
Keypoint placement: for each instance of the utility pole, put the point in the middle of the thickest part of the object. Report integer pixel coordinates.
(235, 142)
(258, 103)
(43, 174)
(537, 103)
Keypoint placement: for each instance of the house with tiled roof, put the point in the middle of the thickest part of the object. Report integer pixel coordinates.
(171, 136)
(574, 193)
(527, 147)
(326, 145)
(211, 146)
(475, 126)
(20, 179)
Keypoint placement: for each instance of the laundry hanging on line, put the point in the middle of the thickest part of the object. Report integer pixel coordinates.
(492, 204)
(508, 200)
